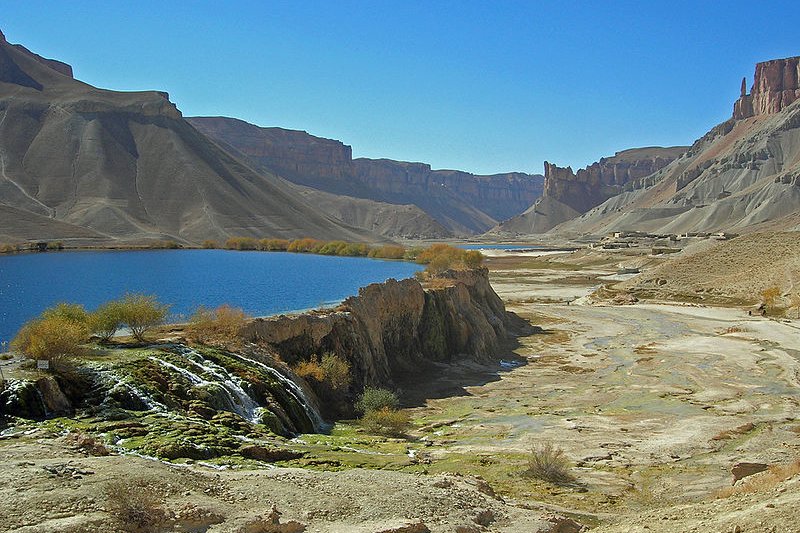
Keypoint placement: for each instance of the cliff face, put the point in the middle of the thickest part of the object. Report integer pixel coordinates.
(743, 175)
(776, 85)
(463, 203)
(568, 194)
(397, 327)
(126, 165)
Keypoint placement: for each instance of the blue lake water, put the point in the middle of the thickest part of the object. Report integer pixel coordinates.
(261, 283)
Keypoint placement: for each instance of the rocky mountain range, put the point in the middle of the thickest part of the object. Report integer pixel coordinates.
(568, 194)
(86, 164)
(437, 203)
(743, 175)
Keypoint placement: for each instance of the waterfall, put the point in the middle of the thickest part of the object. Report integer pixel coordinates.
(237, 398)
(244, 405)
(295, 391)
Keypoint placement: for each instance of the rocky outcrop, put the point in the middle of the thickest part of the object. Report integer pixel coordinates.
(395, 328)
(462, 202)
(568, 194)
(743, 175)
(776, 85)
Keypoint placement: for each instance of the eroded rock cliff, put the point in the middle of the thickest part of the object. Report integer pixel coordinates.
(395, 328)
(462, 202)
(776, 85)
(568, 194)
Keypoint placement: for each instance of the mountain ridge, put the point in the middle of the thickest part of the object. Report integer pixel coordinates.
(126, 166)
(462, 202)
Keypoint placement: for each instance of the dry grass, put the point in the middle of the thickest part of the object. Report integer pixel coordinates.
(732, 329)
(648, 348)
(548, 463)
(86, 443)
(136, 505)
(763, 481)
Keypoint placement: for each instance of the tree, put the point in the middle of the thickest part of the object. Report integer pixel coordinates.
(223, 325)
(74, 313)
(770, 295)
(106, 320)
(51, 337)
(140, 313)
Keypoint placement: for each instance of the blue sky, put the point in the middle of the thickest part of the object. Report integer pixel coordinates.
(480, 86)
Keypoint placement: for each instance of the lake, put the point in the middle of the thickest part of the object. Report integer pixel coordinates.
(261, 283)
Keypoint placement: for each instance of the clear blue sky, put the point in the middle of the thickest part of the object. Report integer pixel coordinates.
(481, 86)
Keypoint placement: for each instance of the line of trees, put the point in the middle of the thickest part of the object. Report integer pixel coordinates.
(60, 331)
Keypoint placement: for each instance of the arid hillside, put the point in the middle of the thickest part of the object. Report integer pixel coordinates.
(739, 269)
(125, 165)
(743, 175)
(568, 194)
(457, 202)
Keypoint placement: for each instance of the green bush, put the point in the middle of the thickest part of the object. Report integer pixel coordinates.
(141, 313)
(386, 421)
(375, 399)
(335, 372)
(106, 320)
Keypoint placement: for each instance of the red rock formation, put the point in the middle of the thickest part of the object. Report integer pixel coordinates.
(606, 178)
(776, 85)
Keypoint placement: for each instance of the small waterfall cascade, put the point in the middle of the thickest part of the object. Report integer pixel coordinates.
(296, 391)
(235, 388)
(237, 398)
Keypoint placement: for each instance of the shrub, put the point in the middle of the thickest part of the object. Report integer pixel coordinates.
(375, 399)
(335, 372)
(53, 338)
(441, 257)
(140, 313)
(388, 251)
(548, 463)
(223, 324)
(309, 370)
(241, 243)
(106, 320)
(86, 443)
(306, 245)
(770, 295)
(135, 504)
(272, 245)
(208, 244)
(386, 421)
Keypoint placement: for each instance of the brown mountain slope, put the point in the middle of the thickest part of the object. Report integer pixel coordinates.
(568, 194)
(743, 175)
(738, 269)
(126, 165)
(463, 203)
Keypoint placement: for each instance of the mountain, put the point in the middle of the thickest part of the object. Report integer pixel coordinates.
(461, 202)
(79, 162)
(743, 175)
(568, 194)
